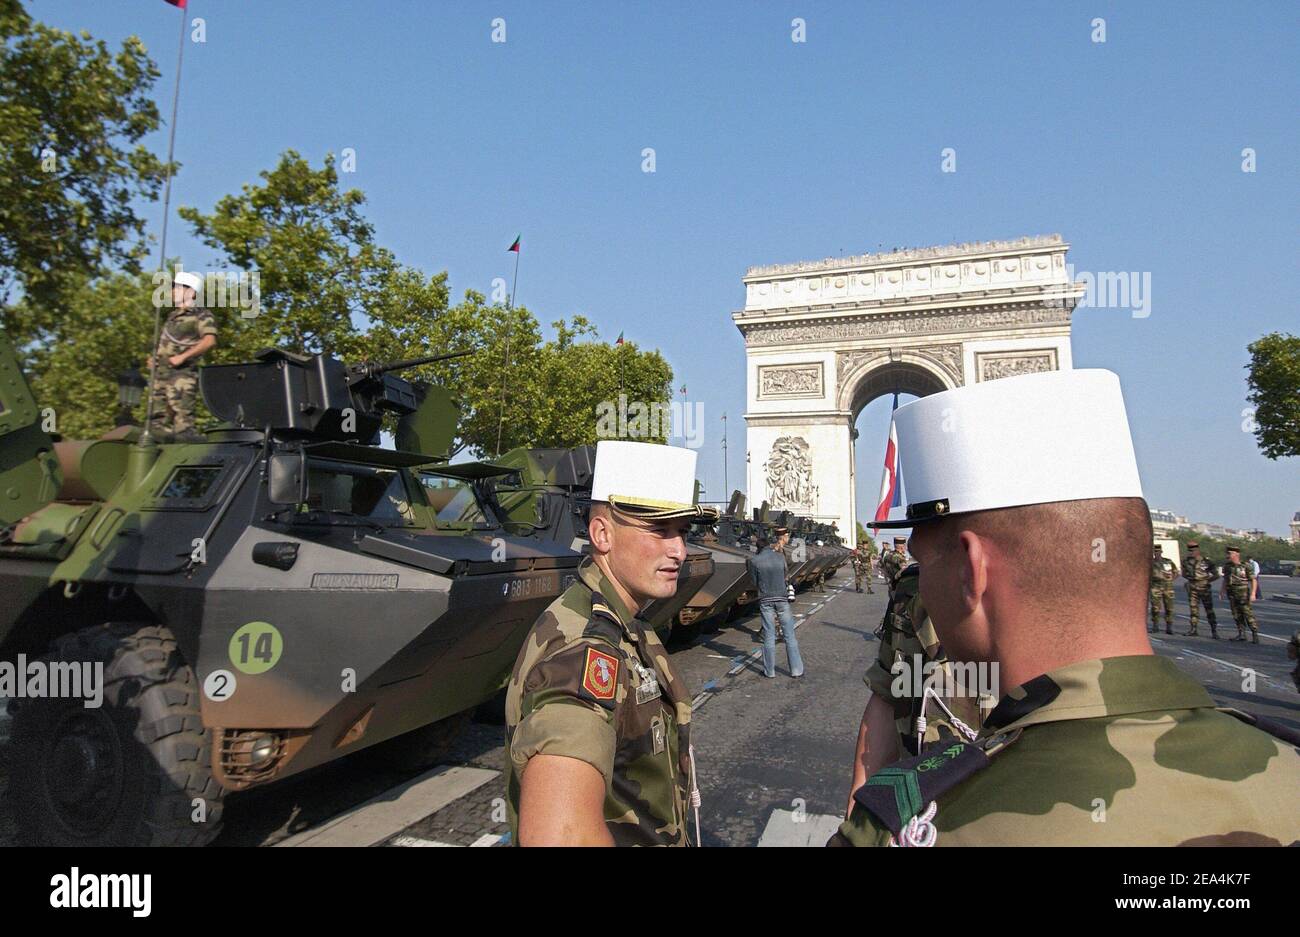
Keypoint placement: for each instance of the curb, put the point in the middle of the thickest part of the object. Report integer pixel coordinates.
(1287, 598)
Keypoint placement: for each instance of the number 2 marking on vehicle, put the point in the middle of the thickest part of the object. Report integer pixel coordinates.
(219, 685)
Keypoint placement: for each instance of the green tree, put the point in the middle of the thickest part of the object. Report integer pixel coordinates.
(326, 286)
(581, 381)
(865, 540)
(105, 329)
(1275, 391)
(72, 168)
(320, 271)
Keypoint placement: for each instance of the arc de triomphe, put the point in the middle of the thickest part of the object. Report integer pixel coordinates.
(825, 338)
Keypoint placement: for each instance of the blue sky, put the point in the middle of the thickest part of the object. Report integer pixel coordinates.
(770, 151)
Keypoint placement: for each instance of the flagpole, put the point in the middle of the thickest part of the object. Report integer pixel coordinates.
(726, 479)
(505, 367)
(145, 436)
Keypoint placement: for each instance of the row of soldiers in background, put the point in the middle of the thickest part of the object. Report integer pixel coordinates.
(1240, 588)
(891, 563)
(862, 568)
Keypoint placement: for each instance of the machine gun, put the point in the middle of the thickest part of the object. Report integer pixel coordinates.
(319, 397)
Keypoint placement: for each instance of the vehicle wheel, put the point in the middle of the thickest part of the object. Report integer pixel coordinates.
(684, 634)
(423, 747)
(127, 772)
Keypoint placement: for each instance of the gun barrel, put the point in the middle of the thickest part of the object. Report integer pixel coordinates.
(379, 369)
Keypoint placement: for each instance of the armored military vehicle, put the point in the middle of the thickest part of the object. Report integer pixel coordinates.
(225, 614)
(730, 581)
(551, 494)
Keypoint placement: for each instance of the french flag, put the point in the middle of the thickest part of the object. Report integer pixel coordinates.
(890, 491)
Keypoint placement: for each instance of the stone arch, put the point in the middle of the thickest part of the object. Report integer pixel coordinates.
(906, 372)
(825, 338)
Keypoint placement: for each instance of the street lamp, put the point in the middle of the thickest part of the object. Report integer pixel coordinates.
(130, 388)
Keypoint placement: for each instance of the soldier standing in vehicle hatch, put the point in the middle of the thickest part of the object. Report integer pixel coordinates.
(188, 333)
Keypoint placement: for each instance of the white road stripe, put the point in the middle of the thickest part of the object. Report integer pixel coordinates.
(394, 810)
(489, 839)
(703, 696)
(416, 841)
(1267, 678)
(786, 828)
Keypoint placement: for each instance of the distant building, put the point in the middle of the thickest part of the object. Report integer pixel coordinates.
(1167, 523)
(1164, 523)
(1295, 528)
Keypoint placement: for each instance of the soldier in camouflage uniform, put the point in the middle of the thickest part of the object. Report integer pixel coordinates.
(1239, 589)
(894, 563)
(187, 334)
(861, 568)
(593, 704)
(891, 721)
(1200, 575)
(1099, 741)
(1163, 574)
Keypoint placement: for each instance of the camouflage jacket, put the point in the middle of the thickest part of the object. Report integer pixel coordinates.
(1199, 572)
(181, 331)
(908, 642)
(593, 682)
(1239, 577)
(891, 564)
(1124, 751)
(1163, 573)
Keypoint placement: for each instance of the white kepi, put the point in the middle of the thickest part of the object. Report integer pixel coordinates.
(1033, 439)
(650, 481)
(186, 278)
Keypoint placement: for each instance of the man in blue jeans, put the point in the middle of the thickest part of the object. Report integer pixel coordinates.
(767, 568)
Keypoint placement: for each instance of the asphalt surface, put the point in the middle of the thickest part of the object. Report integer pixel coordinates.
(772, 755)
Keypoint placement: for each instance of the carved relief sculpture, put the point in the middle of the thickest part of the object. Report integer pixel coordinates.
(789, 475)
(989, 366)
(804, 380)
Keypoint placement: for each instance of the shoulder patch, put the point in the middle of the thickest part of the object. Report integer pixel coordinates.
(896, 794)
(600, 674)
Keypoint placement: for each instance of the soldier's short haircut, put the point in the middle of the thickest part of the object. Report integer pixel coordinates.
(1095, 552)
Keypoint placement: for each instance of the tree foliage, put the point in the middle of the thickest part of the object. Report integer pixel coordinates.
(1216, 551)
(1275, 391)
(72, 114)
(326, 285)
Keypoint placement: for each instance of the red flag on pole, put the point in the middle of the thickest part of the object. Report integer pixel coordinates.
(515, 246)
(177, 3)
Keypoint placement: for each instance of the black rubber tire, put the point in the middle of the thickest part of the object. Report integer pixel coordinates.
(156, 754)
(423, 747)
(684, 634)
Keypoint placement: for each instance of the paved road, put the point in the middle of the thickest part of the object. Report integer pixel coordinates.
(772, 755)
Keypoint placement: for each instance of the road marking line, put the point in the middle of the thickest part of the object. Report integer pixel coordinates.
(811, 829)
(490, 839)
(1267, 678)
(392, 811)
(753, 655)
(416, 841)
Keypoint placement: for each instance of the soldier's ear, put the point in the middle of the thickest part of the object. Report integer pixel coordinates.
(600, 531)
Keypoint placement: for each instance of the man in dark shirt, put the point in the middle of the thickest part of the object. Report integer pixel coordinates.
(767, 568)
